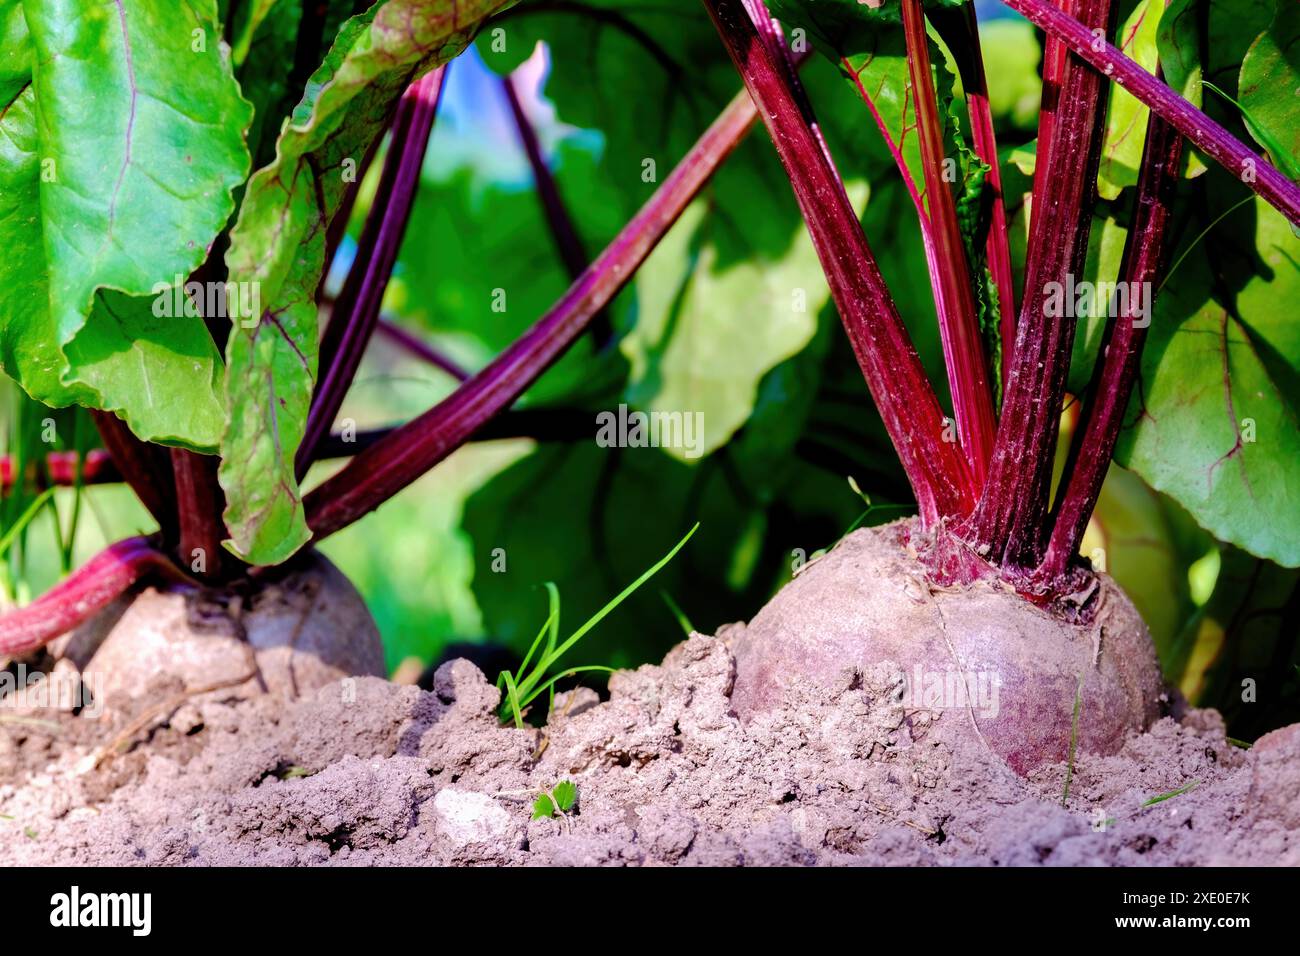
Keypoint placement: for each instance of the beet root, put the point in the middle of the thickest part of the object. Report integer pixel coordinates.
(990, 663)
(293, 633)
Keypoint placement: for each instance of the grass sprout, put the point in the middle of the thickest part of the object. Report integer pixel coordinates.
(531, 680)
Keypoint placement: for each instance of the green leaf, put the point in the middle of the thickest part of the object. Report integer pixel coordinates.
(879, 64)
(1243, 633)
(1280, 156)
(732, 254)
(543, 807)
(843, 27)
(1126, 118)
(1224, 30)
(264, 52)
(1147, 549)
(866, 42)
(1269, 88)
(278, 244)
(973, 193)
(565, 794)
(479, 262)
(1015, 86)
(1214, 418)
(15, 52)
(650, 75)
(836, 27)
(253, 14)
(689, 354)
(126, 349)
(113, 177)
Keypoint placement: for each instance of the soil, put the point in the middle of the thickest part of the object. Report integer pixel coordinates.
(364, 772)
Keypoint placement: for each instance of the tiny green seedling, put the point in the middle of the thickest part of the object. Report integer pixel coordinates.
(526, 685)
(1168, 796)
(560, 799)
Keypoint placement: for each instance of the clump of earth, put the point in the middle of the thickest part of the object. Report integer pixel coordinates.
(366, 772)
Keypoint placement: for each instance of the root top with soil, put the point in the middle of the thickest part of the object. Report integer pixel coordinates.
(1011, 670)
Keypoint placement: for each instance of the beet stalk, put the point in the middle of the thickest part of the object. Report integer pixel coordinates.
(357, 307)
(1211, 138)
(1146, 250)
(567, 241)
(963, 347)
(960, 30)
(146, 468)
(421, 349)
(1055, 57)
(938, 474)
(199, 503)
(1009, 525)
(82, 594)
(406, 453)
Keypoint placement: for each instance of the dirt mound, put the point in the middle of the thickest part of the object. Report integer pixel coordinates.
(367, 772)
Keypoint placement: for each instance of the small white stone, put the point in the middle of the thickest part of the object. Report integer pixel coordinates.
(470, 817)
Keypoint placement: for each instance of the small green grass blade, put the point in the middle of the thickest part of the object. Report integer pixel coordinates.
(553, 621)
(512, 694)
(857, 490)
(683, 621)
(622, 596)
(26, 518)
(531, 681)
(547, 628)
(1074, 738)
(1169, 796)
(80, 445)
